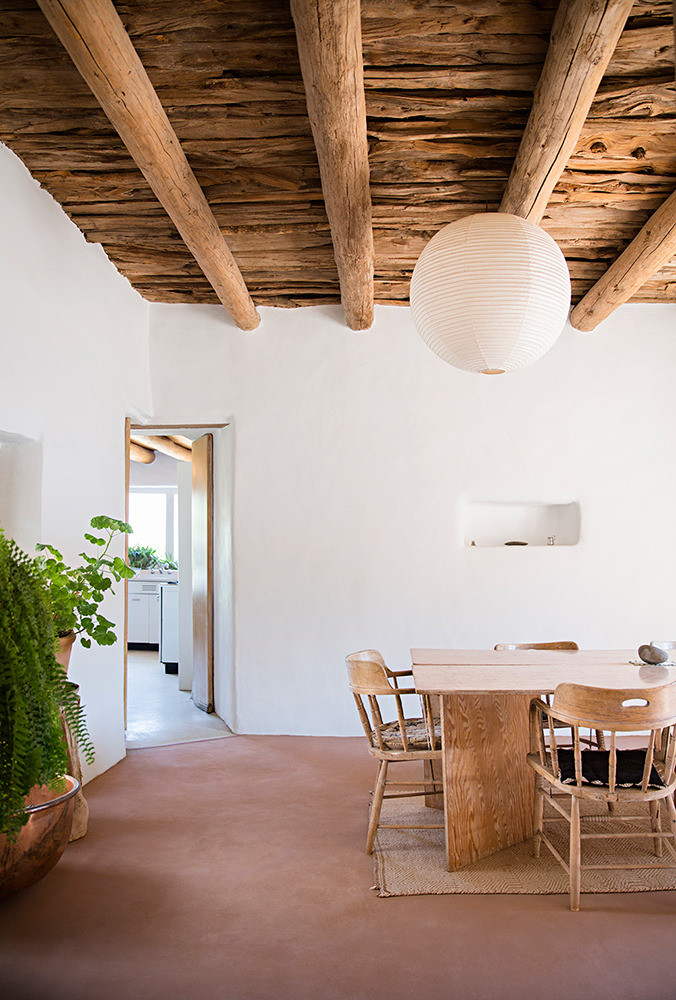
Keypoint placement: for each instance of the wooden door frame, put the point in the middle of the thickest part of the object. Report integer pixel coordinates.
(151, 429)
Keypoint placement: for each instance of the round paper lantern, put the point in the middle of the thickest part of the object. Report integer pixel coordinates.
(490, 293)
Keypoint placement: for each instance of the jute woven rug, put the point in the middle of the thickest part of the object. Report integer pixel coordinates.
(412, 862)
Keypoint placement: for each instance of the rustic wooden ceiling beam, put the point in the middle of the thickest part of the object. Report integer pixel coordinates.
(96, 40)
(165, 445)
(138, 453)
(654, 247)
(181, 439)
(583, 39)
(328, 34)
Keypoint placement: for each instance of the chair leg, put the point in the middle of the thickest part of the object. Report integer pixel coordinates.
(600, 739)
(376, 805)
(655, 825)
(671, 809)
(538, 814)
(575, 853)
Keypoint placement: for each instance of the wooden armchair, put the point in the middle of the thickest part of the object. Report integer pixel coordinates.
(402, 739)
(642, 777)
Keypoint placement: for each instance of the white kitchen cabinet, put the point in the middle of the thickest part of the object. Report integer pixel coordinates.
(144, 612)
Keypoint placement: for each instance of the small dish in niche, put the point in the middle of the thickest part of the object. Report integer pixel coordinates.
(516, 543)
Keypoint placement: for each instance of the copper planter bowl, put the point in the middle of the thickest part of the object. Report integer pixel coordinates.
(41, 842)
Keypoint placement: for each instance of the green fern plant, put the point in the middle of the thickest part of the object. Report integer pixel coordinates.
(33, 687)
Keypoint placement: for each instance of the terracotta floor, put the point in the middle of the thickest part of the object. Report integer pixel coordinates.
(234, 869)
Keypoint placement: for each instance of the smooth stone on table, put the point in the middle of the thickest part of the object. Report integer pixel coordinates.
(652, 654)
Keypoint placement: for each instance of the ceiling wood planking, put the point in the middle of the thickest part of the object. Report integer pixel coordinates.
(648, 252)
(583, 39)
(328, 33)
(95, 38)
(258, 188)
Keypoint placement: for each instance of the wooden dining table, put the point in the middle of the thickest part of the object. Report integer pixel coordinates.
(485, 697)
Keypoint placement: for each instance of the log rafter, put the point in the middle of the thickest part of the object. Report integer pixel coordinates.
(97, 42)
(654, 247)
(138, 453)
(583, 39)
(330, 49)
(163, 444)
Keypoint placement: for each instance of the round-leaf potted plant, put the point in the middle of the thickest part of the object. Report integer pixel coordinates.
(77, 592)
(36, 795)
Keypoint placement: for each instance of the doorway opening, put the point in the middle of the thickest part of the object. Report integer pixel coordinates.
(169, 603)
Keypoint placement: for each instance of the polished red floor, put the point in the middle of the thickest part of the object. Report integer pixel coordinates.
(235, 869)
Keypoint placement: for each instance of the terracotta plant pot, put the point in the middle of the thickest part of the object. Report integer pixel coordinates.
(64, 650)
(81, 809)
(41, 842)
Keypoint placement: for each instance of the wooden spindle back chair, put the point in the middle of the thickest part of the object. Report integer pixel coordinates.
(645, 776)
(567, 645)
(403, 738)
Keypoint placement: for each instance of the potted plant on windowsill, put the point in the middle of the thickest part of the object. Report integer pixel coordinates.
(77, 592)
(36, 794)
(144, 557)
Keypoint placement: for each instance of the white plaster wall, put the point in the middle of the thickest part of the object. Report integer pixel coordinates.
(74, 362)
(20, 488)
(353, 455)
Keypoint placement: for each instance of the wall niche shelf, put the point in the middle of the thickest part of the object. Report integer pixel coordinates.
(492, 523)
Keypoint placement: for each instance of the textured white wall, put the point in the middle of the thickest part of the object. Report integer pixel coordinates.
(20, 488)
(353, 455)
(74, 338)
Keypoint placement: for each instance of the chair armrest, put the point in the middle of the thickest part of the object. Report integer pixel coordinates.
(399, 673)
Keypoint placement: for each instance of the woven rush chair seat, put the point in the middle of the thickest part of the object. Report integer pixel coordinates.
(403, 739)
(417, 735)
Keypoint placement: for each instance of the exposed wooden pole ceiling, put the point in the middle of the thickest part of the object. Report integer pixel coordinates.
(95, 38)
(646, 254)
(331, 61)
(163, 444)
(583, 38)
(448, 91)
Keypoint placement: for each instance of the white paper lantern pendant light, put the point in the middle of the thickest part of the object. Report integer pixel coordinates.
(490, 293)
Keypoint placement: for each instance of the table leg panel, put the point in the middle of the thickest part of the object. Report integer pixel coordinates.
(488, 784)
